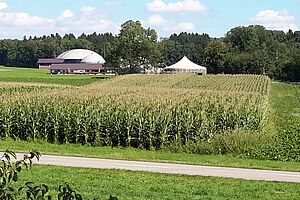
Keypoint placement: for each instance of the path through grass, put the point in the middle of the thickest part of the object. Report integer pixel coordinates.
(143, 155)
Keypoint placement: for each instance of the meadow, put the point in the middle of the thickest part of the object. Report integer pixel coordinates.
(27, 75)
(128, 185)
(284, 117)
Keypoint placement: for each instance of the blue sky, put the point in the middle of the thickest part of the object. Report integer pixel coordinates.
(215, 17)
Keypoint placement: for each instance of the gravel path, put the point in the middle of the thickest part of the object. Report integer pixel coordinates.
(238, 173)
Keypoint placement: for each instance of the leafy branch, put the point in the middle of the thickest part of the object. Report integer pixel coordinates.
(10, 169)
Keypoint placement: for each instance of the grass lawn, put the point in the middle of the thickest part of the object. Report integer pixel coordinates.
(143, 155)
(140, 185)
(285, 115)
(11, 74)
(285, 102)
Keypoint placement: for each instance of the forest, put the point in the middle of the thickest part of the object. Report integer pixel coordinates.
(243, 50)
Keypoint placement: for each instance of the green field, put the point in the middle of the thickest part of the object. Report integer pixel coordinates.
(236, 115)
(12, 74)
(138, 185)
(281, 97)
(285, 118)
(149, 112)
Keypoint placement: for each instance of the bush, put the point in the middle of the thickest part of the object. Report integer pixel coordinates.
(9, 174)
(237, 142)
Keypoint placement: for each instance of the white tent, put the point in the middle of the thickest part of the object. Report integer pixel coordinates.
(185, 65)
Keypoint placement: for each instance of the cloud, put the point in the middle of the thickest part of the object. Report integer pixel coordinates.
(180, 27)
(3, 5)
(86, 20)
(275, 20)
(169, 26)
(22, 19)
(156, 20)
(87, 10)
(179, 6)
(67, 14)
(18, 24)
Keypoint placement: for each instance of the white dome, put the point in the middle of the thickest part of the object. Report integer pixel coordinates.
(95, 59)
(87, 56)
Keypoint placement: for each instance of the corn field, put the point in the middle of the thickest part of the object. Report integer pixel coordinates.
(231, 83)
(136, 110)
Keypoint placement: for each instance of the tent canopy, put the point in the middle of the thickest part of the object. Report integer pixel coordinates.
(186, 64)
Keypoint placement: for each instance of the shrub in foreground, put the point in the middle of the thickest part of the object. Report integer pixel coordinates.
(10, 169)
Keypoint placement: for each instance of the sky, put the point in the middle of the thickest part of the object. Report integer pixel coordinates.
(20, 18)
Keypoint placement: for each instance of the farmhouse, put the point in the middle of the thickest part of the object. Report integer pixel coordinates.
(185, 66)
(76, 61)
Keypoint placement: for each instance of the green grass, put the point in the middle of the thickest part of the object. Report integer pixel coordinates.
(285, 101)
(141, 185)
(12, 74)
(285, 116)
(143, 155)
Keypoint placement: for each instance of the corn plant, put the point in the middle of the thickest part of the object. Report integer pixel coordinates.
(140, 111)
(9, 172)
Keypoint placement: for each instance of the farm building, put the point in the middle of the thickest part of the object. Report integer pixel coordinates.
(185, 66)
(76, 61)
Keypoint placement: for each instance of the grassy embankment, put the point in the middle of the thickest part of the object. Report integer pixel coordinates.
(144, 155)
(285, 115)
(12, 74)
(138, 185)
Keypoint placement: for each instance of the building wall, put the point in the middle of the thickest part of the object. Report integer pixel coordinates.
(44, 66)
(176, 71)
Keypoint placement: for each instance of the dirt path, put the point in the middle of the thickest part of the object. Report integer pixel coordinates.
(238, 173)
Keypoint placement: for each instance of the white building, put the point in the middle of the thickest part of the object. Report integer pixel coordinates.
(76, 61)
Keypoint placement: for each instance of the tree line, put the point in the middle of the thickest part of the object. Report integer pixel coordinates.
(243, 50)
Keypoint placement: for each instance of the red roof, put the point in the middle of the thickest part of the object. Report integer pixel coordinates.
(51, 61)
(83, 66)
